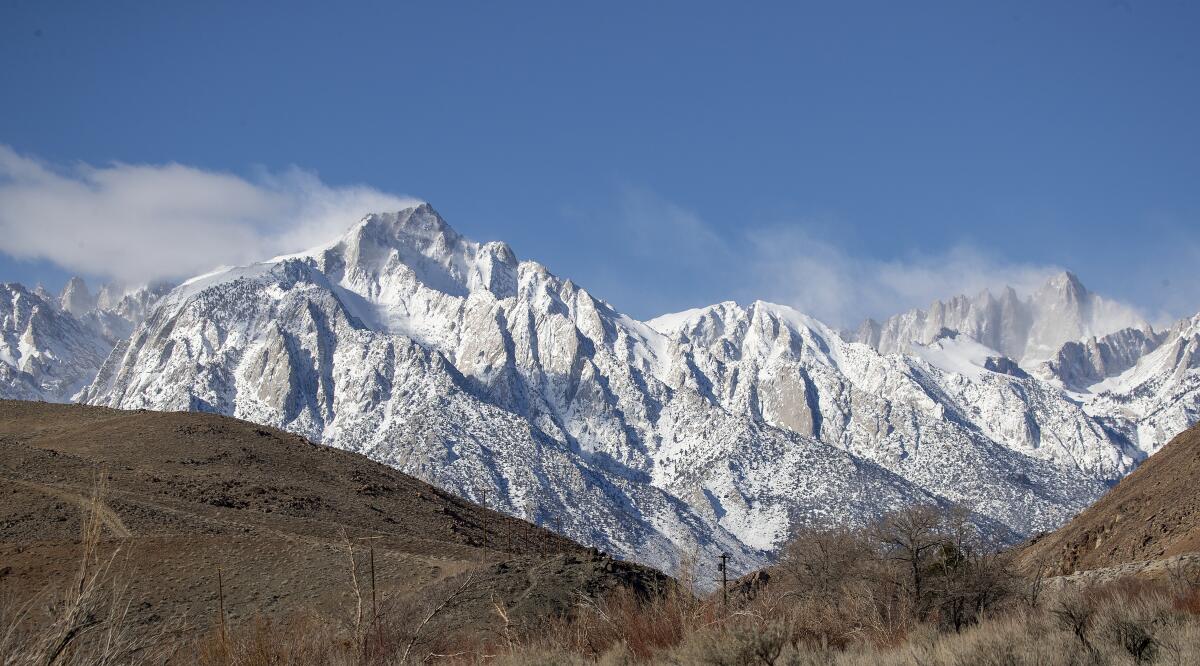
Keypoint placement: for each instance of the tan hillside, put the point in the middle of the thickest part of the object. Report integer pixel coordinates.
(1151, 514)
(190, 493)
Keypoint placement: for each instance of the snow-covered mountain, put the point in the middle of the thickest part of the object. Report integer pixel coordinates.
(717, 429)
(1141, 386)
(52, 347)
(713, 430)
(45, 352)
(1003, 443)
(494, 379)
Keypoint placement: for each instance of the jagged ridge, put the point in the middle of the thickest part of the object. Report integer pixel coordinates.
(716, 429)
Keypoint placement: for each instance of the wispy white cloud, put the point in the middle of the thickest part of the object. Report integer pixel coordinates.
(660, 229)
(789, 264)
(842, 288)
(138, 223)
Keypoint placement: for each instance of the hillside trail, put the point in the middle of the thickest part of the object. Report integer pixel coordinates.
(107, 515)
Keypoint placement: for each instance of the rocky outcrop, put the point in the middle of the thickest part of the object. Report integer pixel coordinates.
(1028, 329)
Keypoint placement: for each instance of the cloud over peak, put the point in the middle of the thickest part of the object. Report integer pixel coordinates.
(137, 223)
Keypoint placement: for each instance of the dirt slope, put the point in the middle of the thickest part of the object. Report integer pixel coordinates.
(1151, 514)
(190, 493)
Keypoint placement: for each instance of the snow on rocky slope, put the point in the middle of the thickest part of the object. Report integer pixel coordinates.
(1079, 365)
(1148, 389)
(51, 348)
(717, 429)
(493, 378)
(1139, 386)
(1007, 446)
(45, 353)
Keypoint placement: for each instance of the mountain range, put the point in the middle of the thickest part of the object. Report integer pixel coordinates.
(52, 347)
(713, 430)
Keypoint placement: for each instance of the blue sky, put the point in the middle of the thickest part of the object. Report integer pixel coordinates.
(848, 158)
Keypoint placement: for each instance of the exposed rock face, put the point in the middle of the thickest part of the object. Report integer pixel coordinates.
(715, 429)
(1026, 329)
(1081, 364)
(76, 298)
(1005, 366)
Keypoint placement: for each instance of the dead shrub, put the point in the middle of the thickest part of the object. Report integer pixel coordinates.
(1135, 624)
(641, 626)
(740, 646)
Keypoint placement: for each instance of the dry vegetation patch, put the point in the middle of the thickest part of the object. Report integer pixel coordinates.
(192, 539)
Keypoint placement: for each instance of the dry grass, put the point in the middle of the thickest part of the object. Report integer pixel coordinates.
(913, 590)
(1122, 626)
(84, 619)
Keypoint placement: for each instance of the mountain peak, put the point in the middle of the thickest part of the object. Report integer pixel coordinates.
(1065, 283)
(420, 220)
(76, 298)
(417, 228)
(75, 284)
(1029, 328)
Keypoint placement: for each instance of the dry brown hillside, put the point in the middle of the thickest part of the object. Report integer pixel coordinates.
(1151, 514)
(190, 493)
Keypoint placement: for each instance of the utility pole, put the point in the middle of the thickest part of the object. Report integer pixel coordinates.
(221, 610)
(723, 567)
(374, 605)
(374, 602)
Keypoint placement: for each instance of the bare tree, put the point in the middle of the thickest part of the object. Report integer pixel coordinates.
(911, 537)
(820, 564)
